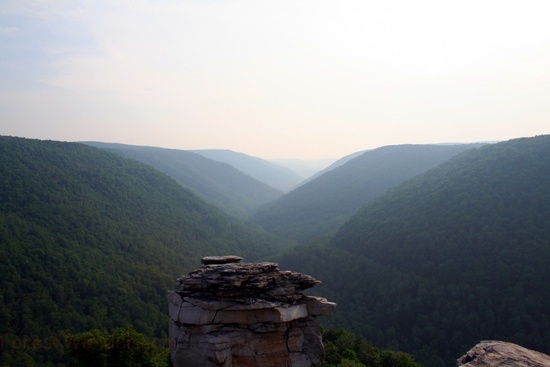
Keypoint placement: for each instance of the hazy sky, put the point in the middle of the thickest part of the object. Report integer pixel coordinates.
(275, 79)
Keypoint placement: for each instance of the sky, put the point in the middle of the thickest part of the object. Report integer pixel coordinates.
(275, 79)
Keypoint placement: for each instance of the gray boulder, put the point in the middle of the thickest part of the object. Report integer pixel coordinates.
(491, 353)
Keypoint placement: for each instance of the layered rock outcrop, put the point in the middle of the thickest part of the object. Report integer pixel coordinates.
(500, 354)
(229, 314)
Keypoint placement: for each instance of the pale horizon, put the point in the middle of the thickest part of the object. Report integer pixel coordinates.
(275, 80)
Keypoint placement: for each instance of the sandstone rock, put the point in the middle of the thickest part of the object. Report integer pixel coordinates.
(194, 315)
(496, 353)
(231, 314)
(254, 316)
(248, 304)
(174, 305)
(318, 306)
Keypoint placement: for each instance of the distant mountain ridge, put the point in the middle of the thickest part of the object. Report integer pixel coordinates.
(306, 168)
(216, 182)
(333, 165)
(324, 203)
(271, 174)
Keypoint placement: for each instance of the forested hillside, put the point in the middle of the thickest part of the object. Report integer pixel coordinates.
(454, 256)
(92, 240)
(216, 182)
(323, 204)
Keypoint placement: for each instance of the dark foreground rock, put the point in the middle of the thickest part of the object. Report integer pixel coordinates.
(233, 314)
(499, 354)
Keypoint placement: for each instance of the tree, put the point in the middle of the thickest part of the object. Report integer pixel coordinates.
(125, 347)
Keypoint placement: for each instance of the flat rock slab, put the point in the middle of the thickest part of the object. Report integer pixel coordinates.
(269, 315)
(193, 315)
(207, 260)
(318, 306)
(242, 304)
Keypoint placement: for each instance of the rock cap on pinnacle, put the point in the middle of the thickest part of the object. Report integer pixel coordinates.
(221, 280)
(228, 259)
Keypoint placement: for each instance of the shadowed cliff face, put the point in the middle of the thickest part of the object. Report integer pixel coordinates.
(496, 353)
(228, 313)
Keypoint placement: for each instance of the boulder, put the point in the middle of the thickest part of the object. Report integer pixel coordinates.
(491, 353)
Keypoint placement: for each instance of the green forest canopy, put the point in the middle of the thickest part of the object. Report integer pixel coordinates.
(92, 240)
(459, 254)
(449, 258)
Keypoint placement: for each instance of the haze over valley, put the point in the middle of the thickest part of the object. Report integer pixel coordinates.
(283, 80)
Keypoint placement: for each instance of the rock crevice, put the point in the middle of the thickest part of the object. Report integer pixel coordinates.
(228, 313)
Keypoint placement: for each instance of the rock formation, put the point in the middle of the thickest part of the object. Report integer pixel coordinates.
(234, 314)
(496, 354)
